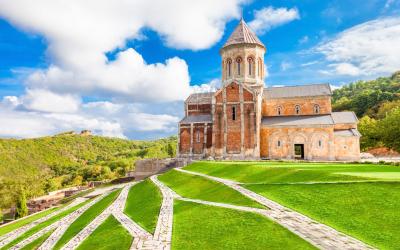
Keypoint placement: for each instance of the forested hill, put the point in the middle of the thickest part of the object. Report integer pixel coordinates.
(377, 105)
(373, 98)
(39, 165)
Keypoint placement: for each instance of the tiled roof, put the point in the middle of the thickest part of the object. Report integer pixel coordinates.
(242, 35)
(297, 120)
(347, 132)
(196, 119)
(344, 117)
(200, 98)
(297, 91)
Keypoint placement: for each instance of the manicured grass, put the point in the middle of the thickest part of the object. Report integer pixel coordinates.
(199, 226)
(367, 211)
(39, 241)
(109, 235)
(86, 218)
(24, 221)
(143, 204)
(292, 172)
(42, 225)
(197, 187)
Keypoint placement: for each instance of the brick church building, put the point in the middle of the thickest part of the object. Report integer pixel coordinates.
(245, 120)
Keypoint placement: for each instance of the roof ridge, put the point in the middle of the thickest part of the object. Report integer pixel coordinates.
(242, 34)
(299, 85)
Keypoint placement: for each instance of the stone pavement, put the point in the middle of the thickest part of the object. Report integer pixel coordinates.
(9, 237)
(318, 234)
(88, 230)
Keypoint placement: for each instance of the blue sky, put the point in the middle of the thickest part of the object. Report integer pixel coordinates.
(123, 69)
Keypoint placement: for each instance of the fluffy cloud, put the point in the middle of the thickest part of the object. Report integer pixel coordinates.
(368, 49)
(269, 17)
(46, 101)
(80, 33)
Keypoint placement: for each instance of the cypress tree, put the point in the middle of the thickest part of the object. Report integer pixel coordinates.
(21, 207)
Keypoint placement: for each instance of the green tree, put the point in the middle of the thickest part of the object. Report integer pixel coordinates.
(389, 128)
(386, 107)
(1, 216)
(368, 128)
(21, 207)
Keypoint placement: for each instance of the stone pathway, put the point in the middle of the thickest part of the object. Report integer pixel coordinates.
(7, 238)
(320, 235)
(88, 230)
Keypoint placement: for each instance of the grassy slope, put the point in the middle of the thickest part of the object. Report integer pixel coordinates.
(86, 218)
(24, 221)
(109, 235)
(196, 187)
(368, 211)
(44, 224)
(199, 226)
(36, 243)
(143, 204)
(278, 172)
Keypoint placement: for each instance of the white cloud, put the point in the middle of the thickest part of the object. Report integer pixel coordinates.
(212, 86)
(269, 17)
(304, 40)
(368, 49)
(46, 101)
(285, 66)
(80, 33)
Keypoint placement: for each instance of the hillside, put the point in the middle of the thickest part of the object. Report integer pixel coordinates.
(377, 105)
(44, 164)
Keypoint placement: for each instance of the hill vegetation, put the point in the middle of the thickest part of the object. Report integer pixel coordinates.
(377, 104)
(33, 167)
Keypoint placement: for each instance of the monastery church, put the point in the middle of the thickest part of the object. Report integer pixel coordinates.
(245, 120)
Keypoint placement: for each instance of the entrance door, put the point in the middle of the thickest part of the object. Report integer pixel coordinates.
(299, 151)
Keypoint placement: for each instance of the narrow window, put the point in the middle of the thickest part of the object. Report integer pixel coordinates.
(316, 109)
(297, 109)
(250, 61)
(229, 67)
(279, 143)
(238, 61)
(279, 109)
(198, 136)
(320, 143)
(234, 113)
(258, 68)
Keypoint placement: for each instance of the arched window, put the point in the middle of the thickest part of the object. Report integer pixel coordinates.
(297, 109)
(316, 109)
(238, 63)
(234, 113)
(197, 135)
(279, 143)
(279, 110)
(251, 63)
(229, 64)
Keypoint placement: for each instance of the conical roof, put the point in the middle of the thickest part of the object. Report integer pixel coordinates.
(242, 35)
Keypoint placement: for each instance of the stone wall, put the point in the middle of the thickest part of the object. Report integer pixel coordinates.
(270, 106)
(147, 167)
(347, 148)
(278, 143)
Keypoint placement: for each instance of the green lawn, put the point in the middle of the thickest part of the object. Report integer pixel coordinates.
(44, 224)
(24, 221)
(143, 204)
(367, 211)
(86, 218)
(197, 187)
(109, 235)
(198, 226)
(39, 241)
(291, 172)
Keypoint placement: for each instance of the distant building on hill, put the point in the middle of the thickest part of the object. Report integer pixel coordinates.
(245, 120)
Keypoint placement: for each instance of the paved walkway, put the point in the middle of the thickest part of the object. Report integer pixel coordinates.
(9, 237)
(318, 234)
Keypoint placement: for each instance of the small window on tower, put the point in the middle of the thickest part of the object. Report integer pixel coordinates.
(238, 61)
(234, 113)
(229, 67)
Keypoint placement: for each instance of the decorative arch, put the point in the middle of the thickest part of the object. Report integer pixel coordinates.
(317, 109)
(251, 66)
(297, 109)
(279, 110)
(229, 67)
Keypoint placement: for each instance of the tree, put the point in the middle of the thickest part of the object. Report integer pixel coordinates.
(368, 128)
(386, 107)
(21, 207)
(389, 128)
(1, 216)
